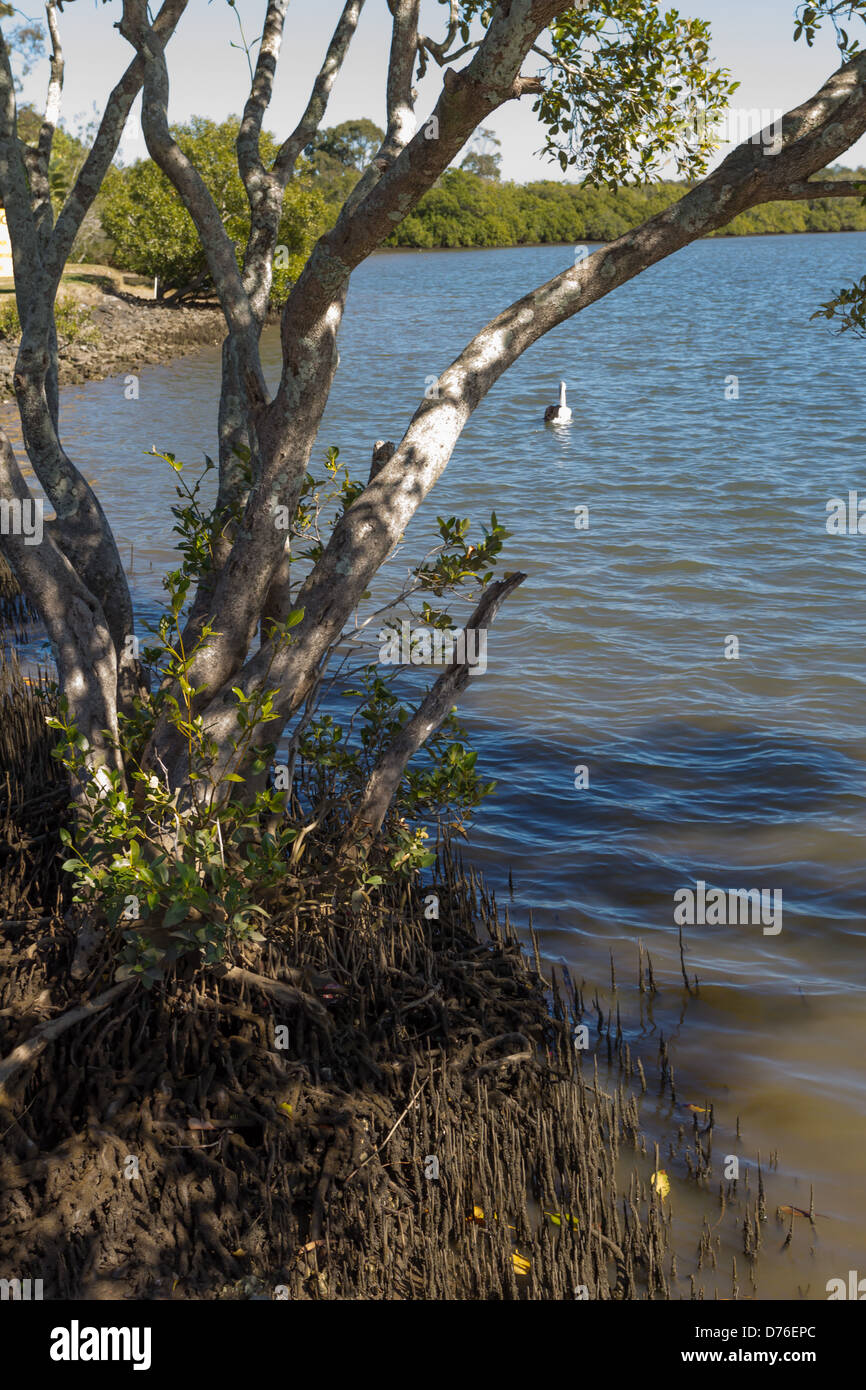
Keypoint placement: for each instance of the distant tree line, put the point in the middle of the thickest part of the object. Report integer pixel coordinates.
(466, 210)
(139, 223)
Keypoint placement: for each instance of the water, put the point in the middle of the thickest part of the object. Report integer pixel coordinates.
(706, 521)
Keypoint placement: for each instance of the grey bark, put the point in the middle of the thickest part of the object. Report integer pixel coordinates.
(250, 581)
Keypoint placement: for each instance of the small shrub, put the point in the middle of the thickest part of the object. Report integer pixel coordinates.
(10, 325)
(177, 875)
(74, 321)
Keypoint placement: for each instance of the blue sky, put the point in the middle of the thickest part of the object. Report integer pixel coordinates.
(754, 38)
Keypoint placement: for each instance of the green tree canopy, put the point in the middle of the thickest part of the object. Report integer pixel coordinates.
(154, 235)
(351, 143)
(464, 209)
(338, 154)
(483, 157)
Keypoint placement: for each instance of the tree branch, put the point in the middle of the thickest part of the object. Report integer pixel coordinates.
(556, 62)
(249, 159)
(73, 618)
(81, 531)
(813, 133)
(400, 94)
(827, 188)
(388, 772)
(439, 50)
(195, 196)
(366, 221)
(400, 98)
(27, 261)
(265, 188)
(105, 145)
(316, 106)
(265, 192)
(55, 89)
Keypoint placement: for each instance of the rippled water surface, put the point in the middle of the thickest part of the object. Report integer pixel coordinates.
(707, 520)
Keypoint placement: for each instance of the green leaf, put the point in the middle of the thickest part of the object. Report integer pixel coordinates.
(176, 913)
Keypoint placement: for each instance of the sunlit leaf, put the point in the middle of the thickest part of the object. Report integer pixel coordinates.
(556, 1218)
(660, 1183)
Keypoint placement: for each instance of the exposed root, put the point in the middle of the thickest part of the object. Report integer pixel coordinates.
(169, 1147)
(27, 1052)
(370, 1105)
(279, 990)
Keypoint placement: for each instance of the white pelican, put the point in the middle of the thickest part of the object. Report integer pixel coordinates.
(558, 414)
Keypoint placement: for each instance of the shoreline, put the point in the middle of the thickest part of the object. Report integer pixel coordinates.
(133, 333)
(721, 235)
(130, 335)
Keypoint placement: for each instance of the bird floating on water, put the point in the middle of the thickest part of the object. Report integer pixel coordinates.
(558, 414)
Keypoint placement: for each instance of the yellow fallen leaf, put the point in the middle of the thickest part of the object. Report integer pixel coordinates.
(240, 1251)
(478, 1215)
(521, 1266)
(661, 1184)
(288, 1109)
(556, 1218)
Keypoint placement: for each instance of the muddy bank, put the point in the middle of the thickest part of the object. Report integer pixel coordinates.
(126, 334)
(377, 1104)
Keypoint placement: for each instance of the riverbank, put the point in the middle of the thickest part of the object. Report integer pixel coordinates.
(373, 1104)
(124, 334)
(128, 330)
(464, 210)
(392, 1143)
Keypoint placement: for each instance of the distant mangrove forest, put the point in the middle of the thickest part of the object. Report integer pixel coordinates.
(464, 209)
(139, 225)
